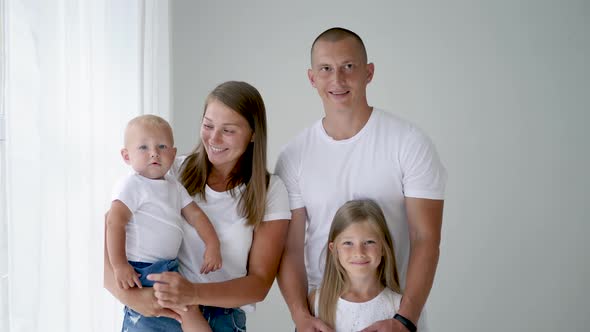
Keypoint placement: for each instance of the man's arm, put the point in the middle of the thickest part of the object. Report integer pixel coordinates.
(292, 277)
(425, 222)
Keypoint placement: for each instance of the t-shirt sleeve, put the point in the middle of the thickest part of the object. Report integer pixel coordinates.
(316, 302)
(127, 190)
(424, 176)
(277, 202)
(185, 198)
(286, 169)
(174, 170)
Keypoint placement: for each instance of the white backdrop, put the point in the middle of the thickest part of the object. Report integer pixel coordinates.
(503, 89)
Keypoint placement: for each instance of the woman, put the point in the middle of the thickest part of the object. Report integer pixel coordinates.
(227, 176)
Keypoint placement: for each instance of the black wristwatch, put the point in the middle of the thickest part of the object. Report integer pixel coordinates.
(405, 322)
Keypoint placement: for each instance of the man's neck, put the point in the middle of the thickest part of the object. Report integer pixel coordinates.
(344, 124)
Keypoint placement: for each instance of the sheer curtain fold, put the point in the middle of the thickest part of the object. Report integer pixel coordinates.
(76, 74)
(3, 214)
(155, 58)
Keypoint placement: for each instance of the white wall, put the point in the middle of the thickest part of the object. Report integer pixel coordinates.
(502, 87)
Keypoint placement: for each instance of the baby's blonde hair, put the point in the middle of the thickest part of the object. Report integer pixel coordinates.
(335, 278)
(148, 121)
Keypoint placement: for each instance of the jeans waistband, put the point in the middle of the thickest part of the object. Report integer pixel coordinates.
(205, 309)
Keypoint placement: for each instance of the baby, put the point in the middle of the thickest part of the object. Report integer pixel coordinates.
(144, 230)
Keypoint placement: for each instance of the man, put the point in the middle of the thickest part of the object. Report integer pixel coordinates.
(357, 151)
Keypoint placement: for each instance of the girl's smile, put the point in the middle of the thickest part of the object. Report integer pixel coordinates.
(358, 249)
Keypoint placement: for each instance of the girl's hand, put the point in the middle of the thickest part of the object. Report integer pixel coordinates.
(211, 259)
(173, 291)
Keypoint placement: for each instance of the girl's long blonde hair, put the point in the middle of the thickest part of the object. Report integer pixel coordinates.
(335, 278)
(250, 169)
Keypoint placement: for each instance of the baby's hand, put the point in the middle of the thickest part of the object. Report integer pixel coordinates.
(211, 260)
(126, 277)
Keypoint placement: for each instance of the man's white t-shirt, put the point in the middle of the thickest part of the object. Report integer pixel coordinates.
(235, 236)
(387, 160)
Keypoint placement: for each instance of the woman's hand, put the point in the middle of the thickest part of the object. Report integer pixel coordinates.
(173, 291)
(147, 304)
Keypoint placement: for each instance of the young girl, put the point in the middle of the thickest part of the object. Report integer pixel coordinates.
(360, 284)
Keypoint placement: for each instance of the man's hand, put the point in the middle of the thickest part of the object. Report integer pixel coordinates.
(309, 323)
(387, 325)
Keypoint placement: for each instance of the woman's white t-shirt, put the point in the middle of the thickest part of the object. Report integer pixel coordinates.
(235, 236)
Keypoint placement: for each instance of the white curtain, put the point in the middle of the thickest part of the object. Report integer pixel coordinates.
(3, 219)
(76, 72)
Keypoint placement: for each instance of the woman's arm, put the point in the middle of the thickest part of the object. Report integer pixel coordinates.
(141, 300)
(172, 290)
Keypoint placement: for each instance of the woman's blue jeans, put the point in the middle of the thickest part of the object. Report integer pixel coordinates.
(220, 319)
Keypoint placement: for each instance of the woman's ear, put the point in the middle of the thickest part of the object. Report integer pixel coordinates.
(331, 246)
(252, 139)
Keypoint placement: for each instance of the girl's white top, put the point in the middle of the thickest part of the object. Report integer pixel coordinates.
(354, 316)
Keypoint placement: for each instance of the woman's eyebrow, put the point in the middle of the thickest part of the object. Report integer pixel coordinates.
(223, 124)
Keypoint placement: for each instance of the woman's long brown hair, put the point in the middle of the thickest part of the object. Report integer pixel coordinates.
(250, 169)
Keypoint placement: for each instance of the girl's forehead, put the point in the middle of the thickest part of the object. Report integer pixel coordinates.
(364, 228)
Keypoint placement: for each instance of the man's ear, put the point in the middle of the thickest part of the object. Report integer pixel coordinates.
(252, 138)
(310, 76)
(125, 155)
(370, 72)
